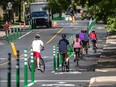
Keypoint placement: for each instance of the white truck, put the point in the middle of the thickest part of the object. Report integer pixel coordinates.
(40, 16)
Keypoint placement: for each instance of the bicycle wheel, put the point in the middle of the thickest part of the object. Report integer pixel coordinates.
(81, 55)
(67, 66)
(29, 64)
(42, 65)
(94, 49)
(63, 67)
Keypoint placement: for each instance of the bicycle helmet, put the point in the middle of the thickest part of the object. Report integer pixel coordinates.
(85, 30)
(37, 36)
(63, 35)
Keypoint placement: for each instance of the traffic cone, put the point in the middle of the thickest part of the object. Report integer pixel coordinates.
(24, 25)
(55, 24)
(73, 19)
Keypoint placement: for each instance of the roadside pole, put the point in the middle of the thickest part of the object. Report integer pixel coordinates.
(25, 69)
(32, 67)
(54, 59)
(17, 70)
(9, 71)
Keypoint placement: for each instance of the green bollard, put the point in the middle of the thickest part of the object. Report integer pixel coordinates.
(25, 69)
(18, 70)
(20, 31)
(57, 57)
(17, 33)
(60, 60)
(9, 71)
(14, 33)
(54, 59)
(32, 67)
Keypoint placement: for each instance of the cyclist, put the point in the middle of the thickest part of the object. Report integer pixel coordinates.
(81, 36)
(63, 43)
(86, 40)
(77, 45)
(93, 38)
(37, 46)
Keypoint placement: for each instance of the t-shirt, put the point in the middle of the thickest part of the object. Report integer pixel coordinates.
(93, 36)
(63, 45)
(86, 38)
(36, 45)
(77, 44)
(81, 35)
(6, 27)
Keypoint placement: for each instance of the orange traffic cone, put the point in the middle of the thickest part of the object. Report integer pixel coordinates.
(55, 24)
(24, 25)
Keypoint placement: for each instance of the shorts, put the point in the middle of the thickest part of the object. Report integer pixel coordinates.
(77, 49)
(36, 54)
(64, 54)
(94, 40)
(85, 43)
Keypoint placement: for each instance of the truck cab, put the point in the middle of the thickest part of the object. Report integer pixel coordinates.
(39, 15)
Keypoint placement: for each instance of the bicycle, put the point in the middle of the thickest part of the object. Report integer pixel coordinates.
(77, 51)
(65, 64)
(94, 47)
(42, 64)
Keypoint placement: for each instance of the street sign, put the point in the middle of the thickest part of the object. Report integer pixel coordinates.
(9, 5)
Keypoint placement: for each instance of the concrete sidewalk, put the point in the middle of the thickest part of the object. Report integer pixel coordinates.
(2, 33)
(106, 63)
(108, 81)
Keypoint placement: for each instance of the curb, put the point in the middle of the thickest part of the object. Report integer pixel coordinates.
(102, 79)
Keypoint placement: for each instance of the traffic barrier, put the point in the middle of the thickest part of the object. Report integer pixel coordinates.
(73, 19)
(26, 68)
(17, 71)
(55, 24)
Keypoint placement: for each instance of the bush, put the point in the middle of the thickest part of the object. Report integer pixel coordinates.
(111, 24)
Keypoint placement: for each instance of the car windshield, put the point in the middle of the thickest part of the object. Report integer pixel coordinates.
(39, 14)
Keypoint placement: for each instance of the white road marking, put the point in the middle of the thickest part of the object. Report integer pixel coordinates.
(25, 35)
(49, 81)
(58, 85)
(68, 72)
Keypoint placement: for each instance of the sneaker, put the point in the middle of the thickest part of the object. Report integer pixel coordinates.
(74, 60)
(38, 68)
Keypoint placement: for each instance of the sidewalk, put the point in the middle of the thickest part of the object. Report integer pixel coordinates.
(109, 81)
(106, 63)
(2, 33)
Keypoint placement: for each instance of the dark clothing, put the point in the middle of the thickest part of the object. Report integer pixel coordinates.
(63, 43)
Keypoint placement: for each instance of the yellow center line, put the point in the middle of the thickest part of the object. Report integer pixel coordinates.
(46, 43)
(54, 36)
(7, 62)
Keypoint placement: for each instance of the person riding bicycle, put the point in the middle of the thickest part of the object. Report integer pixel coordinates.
(93, 38)
(77, 45)
(63, 43)
(37, 46)
(81, 36)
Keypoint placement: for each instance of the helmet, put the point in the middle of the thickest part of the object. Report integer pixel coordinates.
(37, 36)
(85, 30)
(63, 35)
(93, 31)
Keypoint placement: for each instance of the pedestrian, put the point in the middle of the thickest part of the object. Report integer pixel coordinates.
(6, 28)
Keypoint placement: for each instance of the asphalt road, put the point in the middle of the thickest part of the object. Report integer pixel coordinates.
(77, 77)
